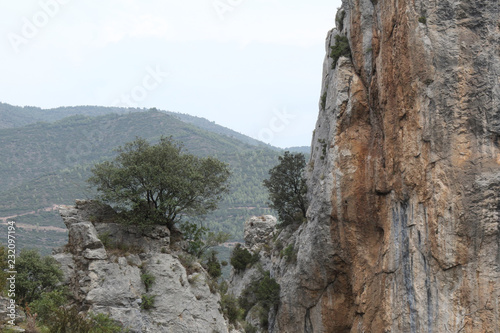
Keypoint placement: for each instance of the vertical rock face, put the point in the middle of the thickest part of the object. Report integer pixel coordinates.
(403, 230)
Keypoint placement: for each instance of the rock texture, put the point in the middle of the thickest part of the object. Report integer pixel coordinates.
(108, 279)
(403, 230)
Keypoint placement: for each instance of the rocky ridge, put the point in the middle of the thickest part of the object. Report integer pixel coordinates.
(109, 279)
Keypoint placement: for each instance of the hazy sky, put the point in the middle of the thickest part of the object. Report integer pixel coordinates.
(252, 65)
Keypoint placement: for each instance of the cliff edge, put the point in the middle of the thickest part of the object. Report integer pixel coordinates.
(403, 230)
(135, 275)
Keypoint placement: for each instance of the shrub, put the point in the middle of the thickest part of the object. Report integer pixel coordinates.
(250, 328)
(241, 258)
(422, 20)
(289, 253)
(105, 239)
(148, 301)
(341, 48)
(213, 266)
(51, 312)
(323, 101)
(230, 307)
(188, 261)
(148, 280)
(48, 302)
(70, 320)
(264, 292)
(104, 324)
(36, 275)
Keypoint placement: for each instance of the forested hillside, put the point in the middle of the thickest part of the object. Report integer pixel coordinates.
(46, 164)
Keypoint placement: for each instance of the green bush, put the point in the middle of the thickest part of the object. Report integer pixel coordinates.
(48, 302)
(289, 253)
(70, 320)
(148, 280)
(241, 258)
(36, 275)
(422, 19)
(341, 48)
(148, 301)
(105, 239)
(104, 324)
(51, 312)
(264, 292)
(231, 309)
(323, 101)
(188, 261)
(213, 266)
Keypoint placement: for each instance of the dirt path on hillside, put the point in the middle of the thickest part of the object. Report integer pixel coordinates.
(33, 227)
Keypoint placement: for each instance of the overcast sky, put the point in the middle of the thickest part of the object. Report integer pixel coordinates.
(251, 65)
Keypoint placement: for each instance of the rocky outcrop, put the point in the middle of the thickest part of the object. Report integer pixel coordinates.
(403, 230)
(110, 278)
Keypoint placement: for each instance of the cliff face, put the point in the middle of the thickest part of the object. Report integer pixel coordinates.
(403, 231)
(109, 278)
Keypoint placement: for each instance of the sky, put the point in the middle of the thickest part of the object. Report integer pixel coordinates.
(254, 66)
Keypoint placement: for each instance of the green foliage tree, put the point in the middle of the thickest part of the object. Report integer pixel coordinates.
(157, 184)
(213, 266)
(241, 258)
(35, 275)
(287, 188)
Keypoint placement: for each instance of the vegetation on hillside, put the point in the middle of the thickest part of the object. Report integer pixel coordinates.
(46, 164)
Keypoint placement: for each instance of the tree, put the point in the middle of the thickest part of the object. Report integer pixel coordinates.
(241, 258)
(287, 188)
(200, 239)
(160, 183)
(36, 275)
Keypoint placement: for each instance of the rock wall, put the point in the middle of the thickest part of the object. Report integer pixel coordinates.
(107, 279)
(403, 230)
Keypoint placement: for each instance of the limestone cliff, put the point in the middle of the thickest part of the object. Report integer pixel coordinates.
(403, 230)
(111, 279)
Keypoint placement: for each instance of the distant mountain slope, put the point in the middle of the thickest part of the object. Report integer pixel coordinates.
(46, 164)
(15, 116)
(213, 127)
(306, 150)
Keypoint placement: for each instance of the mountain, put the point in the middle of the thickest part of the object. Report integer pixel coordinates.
(46, 164)
(15, 116)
